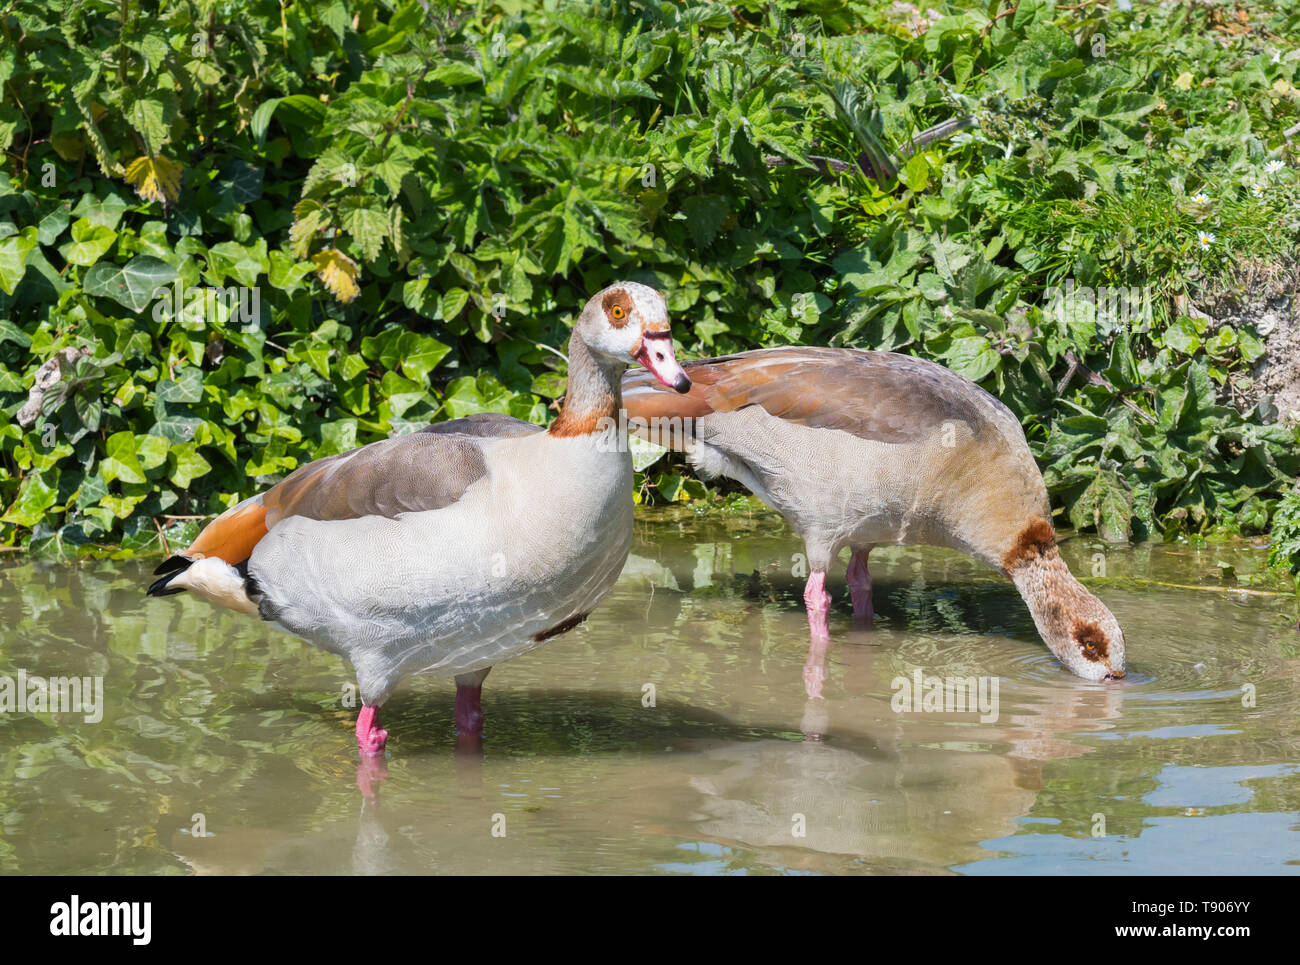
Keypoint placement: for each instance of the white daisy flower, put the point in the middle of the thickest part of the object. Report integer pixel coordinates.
(1256, 191)
(1206, 238)
(1272, 167)
(1200, 197)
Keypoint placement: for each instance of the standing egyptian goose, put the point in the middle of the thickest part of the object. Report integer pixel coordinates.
(449, 550)
(856, 448)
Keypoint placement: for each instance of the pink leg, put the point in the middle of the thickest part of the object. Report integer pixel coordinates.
(860, 584)
(371, 772)
(469, 710)
(370, 736)
(818, 603)
(814, 670)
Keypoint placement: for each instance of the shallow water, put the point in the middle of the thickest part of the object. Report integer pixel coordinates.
(225, 746)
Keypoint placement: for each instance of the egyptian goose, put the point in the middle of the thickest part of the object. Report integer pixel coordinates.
(856, 448)
(451, 549)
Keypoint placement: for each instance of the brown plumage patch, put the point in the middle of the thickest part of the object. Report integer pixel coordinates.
(872, 395)
(618, 307)
(1032, 542)
(231, 536)
(1087, 632)
(564, 626)
(567, 425)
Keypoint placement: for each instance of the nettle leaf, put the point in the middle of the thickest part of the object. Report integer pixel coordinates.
(455, 74)
(397, 163)
(310, 216)
(334, 167)
(151, 115)
(972, 357)
(155, 178)
(1107, 505)
(705, 216)
(367, 225)
(133, 284)
(338, 273)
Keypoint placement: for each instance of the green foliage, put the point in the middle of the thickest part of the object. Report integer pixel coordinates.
(1285, 549)
(283, 230)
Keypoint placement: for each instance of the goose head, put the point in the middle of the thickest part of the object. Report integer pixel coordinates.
(1076, 626)
(1086, 638)
(627, 322)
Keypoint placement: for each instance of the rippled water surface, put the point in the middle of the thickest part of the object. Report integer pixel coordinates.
(225, 746)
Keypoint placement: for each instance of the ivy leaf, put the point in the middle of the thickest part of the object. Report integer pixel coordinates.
(240, 181)
(133, 284)
(121, 460)
(14, 251)
(185, 464)
(35, 499)
(89, 243)
(286, 273)
(245, 262)
(187, 388)
(420, 355)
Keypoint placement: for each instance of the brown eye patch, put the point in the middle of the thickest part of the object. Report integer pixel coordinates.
(1091, 639)
(618, 307)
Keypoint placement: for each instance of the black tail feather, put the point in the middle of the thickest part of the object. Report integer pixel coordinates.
(173, 568)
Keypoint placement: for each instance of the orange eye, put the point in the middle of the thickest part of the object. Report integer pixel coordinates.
(617, 311)
(1090, 646)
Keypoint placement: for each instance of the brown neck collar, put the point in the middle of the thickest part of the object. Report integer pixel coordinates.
(593, 396)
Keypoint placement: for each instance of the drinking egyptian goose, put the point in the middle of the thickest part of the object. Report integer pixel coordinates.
(454, 548)
(856, 448)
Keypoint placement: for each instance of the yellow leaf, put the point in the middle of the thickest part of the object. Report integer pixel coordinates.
(155, 178)
(1184, 81)
(338, 272)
